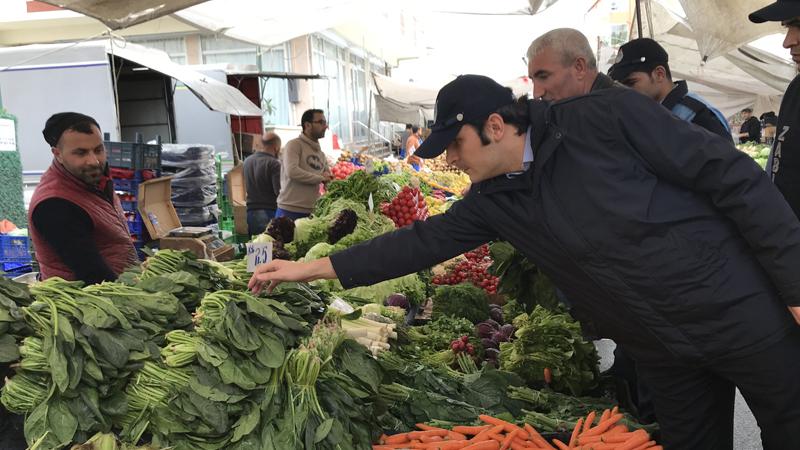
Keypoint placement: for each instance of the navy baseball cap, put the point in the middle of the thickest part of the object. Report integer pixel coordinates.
(638, 55)
(777, 12)
(467, 99)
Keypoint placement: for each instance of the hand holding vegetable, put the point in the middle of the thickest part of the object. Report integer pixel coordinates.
(271, 274)
(795, 310)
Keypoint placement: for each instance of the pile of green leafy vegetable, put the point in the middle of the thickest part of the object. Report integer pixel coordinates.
(520, 279)
(357, 187)
(552, 341)
(316, 229)
(461, 300)
(435, 336)
(86, 343)
(13, 296)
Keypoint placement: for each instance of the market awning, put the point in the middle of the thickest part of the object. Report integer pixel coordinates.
(216, 95)
(117, 14)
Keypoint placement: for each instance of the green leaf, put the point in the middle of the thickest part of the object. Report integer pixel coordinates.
(8, 349)
(60, 421)
(58, 362)
(246, 423)
(322, 430)
(160, 284)
(271, 353)
(260, 308)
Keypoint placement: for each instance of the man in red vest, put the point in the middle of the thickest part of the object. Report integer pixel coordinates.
(78, 227)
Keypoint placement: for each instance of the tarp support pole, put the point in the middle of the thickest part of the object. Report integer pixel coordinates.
(639, 17)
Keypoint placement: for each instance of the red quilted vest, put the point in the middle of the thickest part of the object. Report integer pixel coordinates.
(110, 232)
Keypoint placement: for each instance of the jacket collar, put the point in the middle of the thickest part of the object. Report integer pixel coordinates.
(603, 81)
(310, 141)
(679, 90)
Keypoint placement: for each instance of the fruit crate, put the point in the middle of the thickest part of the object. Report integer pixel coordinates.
(12, 269)
(14, 249)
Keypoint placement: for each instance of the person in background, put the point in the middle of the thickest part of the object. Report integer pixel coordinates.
(750, 131)
(303, 167)
(783, 165)
(262, 178)
(412, 144)
(403, 139)
(643, 65)
(78, 227)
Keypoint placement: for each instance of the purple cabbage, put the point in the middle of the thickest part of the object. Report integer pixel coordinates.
(496, 314)
(398, 300)
(498, 336)
(484, 330)
(508, 331)
(493, 323)
(489, 343)
(491, 354)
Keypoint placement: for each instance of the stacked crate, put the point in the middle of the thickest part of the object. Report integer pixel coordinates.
(132, 163)
(15, 258)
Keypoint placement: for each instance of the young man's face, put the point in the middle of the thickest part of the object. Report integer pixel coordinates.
(644, 83)
(316, 129)
(82, 154)
(792, 39)
(551, 79)
(468, 153)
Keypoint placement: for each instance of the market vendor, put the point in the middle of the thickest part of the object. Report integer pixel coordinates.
(412, 144)
(673, 243)
(750, 130)
(78, 228)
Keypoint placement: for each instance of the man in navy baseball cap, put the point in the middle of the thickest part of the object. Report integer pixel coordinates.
(469, 99)
(783, 165)
(781, 10)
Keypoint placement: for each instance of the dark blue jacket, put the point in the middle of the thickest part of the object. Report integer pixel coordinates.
(670, 240)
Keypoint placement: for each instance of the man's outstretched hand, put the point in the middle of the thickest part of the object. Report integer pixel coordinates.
(271, 274)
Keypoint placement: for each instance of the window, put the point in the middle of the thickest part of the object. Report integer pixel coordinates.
(174, 47)
(222, 50)
(275, 91)
(619, 34)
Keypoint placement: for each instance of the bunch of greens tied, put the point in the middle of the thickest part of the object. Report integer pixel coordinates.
(13, 296)
(85, 344)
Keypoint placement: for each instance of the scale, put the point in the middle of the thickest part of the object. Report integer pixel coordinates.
(162, 222)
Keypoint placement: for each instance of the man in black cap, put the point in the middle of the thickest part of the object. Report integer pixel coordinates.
(750, 130)
(783, 164)
(676, 245)
(78, 227)
(643, 65)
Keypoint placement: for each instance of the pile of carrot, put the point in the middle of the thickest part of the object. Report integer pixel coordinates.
(497, 434)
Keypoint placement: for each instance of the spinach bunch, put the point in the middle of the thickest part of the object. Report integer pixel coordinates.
(13, 296)
(86, 343)
(461, 300)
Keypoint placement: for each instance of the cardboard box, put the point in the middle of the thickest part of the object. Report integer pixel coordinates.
(237, 195)
(160, 219)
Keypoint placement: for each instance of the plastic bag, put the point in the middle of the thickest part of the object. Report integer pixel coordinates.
(187, 155)
(197, 216)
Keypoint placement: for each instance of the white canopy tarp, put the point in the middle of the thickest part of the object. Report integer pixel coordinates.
(118, 14)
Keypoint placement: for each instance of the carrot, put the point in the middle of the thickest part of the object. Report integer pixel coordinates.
(583, 440)
(442, 445)
(397, 438)
(431, 438)
(453, 436)
(616, 438)
(394, 446)
(604, 425)
(646, 446)
(485, 445)
(618, 429)
(573, 440)
(425, 427)
(382, 438)
(614, 410)
(506, 443)
(536, 437)
(560, 445)
(419, 434)
(636, 439)
(508, 426)
(470, 430)
(548, 375)
(606, 414)
(589, 421)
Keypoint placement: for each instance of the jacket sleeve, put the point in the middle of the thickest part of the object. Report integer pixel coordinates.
(275, 173)
(710, 122)
(754, 129)
(416, 247)
(696, 159)
(294, 151)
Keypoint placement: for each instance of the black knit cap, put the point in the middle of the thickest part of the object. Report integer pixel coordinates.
(58, 123)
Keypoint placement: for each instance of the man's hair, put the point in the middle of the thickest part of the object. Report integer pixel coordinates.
(308, 117)
(748, 110)
(408, 126)
(414, 129)
(275, 139)
(649, 68)
(568, 43)
(513, 114)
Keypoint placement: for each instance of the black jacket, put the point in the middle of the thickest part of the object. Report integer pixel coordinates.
(670, 240)
(784, 162)
(262, 178)
(752, 127)
(704, 117)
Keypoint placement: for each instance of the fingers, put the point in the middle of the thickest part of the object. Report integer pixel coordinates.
(795, 310)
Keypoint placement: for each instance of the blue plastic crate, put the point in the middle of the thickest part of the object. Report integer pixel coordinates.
(131, 186)
(135, 227)
(14, 249)
(129, 206)
(12, 269)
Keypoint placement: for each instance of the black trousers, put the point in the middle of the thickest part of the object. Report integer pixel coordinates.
(694, 402)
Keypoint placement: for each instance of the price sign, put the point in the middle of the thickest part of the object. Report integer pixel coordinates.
(371, 202)
(258, 254)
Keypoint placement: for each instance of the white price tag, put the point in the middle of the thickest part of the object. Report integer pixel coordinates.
(258, 253)
(8, 136)
(370, 203)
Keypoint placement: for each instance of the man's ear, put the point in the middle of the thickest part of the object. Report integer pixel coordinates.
(495, 127)
(56, 153)
(580, 67)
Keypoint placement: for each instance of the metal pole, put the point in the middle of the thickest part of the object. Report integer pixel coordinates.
(639, 17)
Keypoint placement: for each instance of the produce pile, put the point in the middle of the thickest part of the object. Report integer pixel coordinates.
(179, 354)
(344, 169)
(759, 152)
